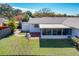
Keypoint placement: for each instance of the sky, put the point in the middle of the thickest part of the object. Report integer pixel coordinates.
(63, 8)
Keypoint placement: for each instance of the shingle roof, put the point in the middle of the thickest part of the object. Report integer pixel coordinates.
(72, 22)
(47, 20)
(68, 21)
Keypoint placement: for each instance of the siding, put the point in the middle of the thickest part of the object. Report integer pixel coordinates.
(25, 27)
(75, 32)
(33, 29)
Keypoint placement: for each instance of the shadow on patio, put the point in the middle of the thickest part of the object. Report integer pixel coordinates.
(55, 43)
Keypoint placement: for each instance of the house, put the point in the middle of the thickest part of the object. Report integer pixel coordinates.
(53, 27)
(4, 29)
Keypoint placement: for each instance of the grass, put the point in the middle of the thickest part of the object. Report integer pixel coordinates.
(22, 33)
(13, 45)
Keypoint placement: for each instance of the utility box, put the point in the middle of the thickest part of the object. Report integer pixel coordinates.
(28, 35)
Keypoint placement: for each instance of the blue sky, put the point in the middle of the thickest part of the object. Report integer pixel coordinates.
(68, 8)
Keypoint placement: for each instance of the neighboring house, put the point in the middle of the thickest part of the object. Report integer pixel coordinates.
(53, 27)
(4, 30)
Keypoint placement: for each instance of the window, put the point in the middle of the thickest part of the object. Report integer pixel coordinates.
(67, 31)
(36, 25)
(54, 31)
(46, 31)
(70, 32)
(59, 32)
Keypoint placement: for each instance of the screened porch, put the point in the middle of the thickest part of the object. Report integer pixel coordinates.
(55, 31)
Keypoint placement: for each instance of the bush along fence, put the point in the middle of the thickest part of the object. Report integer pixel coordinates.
(5, 32)
(76, 42)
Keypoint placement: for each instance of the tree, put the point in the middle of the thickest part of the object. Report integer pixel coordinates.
(77, 15)
(45, 11)
(17, 12)
(12, 24)
(29, 13)
(26, 18)
(8, 11)
(65, 15)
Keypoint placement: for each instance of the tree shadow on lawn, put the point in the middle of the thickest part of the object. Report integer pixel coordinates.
(56, 43)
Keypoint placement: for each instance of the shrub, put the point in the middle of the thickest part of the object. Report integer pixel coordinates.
(76, 42)
(12, 24)
(26, 18)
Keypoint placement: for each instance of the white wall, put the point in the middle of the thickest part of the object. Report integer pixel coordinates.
(75, 32)
(33, 29)
(25, 26)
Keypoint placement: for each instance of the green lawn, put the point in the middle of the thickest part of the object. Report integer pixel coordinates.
(13, 45)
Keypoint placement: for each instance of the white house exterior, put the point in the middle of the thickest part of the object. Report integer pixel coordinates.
(33, 28)
(54, 27)
(25, 27)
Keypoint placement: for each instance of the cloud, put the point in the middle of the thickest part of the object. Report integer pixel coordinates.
(25, 9)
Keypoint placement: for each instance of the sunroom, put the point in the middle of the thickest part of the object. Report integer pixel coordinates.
(55, 31)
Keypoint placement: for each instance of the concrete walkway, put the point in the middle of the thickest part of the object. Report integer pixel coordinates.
(34, 38)
(17, 33)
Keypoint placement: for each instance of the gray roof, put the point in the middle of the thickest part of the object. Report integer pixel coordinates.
(47, 20)
(68, 21)
(72, 22)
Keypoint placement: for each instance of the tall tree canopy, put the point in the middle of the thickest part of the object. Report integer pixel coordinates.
(29, 13)
(45, 12)
(7, 11)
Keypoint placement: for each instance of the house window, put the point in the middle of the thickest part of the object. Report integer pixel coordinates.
(59, 32)
(36, 25)
(46, 31)
(67, 31)
(54, 31)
